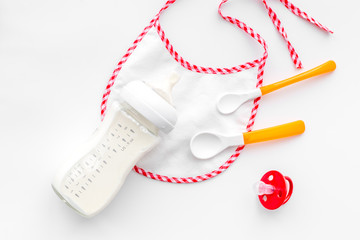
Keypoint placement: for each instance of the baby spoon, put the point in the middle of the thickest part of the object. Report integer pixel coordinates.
(205, 145)
(231, 101)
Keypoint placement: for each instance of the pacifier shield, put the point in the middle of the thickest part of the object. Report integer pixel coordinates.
(281, 192)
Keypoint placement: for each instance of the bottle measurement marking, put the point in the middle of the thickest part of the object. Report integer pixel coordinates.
(93, 164)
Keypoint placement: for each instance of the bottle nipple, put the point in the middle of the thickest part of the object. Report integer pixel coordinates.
(164, 87)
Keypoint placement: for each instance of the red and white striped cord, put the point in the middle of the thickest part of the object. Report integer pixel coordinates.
(210, 70)
(277, 23)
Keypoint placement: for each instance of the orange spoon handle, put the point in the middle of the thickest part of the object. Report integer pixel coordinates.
(281, 131)
(324, 68)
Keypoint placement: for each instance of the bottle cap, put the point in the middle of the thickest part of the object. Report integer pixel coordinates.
(152, 105)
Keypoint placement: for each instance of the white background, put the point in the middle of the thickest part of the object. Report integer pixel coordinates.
(55, 59)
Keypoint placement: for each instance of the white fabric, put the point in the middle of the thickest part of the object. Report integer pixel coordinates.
(194, 98)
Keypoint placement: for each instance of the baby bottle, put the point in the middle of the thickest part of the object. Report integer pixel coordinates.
(92, 176)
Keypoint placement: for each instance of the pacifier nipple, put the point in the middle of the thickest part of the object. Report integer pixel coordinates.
(262, 188)
(164, 87)
(273, 191)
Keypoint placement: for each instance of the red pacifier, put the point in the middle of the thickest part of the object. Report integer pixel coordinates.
(273, 190)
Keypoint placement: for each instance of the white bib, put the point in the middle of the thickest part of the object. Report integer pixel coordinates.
(194, 98)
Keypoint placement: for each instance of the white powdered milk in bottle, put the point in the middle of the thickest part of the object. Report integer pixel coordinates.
(120, 142)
